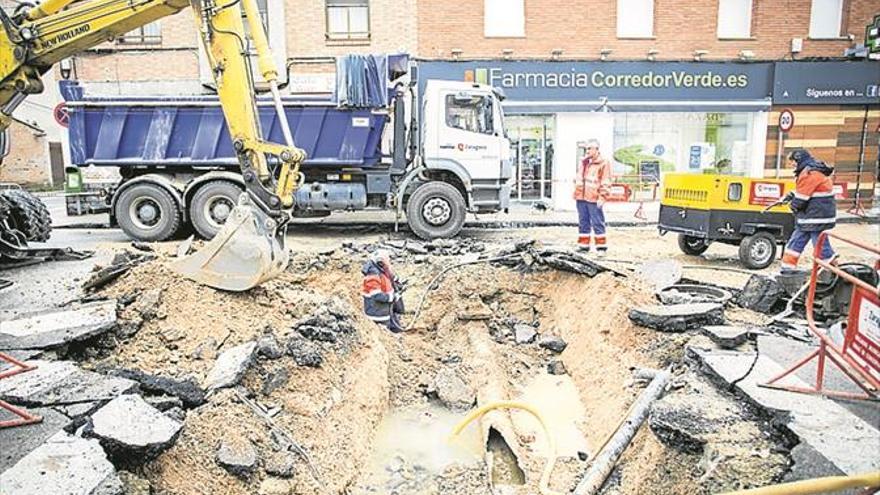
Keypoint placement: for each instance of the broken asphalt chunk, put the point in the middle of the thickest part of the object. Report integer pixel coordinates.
(60, 383)
(761, 294)
(552, 343)
(677, 317)
(132, 431)
(727, 337)
(64, 464)
(304, 352)
(187, 390)
(57, 327)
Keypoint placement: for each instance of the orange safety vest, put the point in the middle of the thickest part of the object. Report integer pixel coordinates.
(593, 180)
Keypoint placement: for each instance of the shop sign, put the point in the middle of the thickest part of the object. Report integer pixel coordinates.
(560, 81)
(827, 83)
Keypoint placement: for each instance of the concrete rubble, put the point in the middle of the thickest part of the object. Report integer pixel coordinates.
(239, 457)
(552, 343)
(524, 334)
(132, 431)
(56, 327)
(230, 367)
(64, 464)
(677, 317)
(451, 390)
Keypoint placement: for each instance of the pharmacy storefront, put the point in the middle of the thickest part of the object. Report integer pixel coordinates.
(649, 117)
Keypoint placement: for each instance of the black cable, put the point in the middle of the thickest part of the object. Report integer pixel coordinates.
(749, 372)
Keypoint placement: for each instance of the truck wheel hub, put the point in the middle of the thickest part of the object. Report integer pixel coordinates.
(437, 211)
(145, 213)
(217, 210)
(760, 251)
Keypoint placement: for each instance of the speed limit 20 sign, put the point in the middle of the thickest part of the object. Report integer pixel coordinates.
(786, 120)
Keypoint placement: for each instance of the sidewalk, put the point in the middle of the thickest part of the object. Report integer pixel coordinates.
(520, 216)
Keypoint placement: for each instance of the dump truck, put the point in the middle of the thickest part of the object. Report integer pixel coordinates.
(434, 150)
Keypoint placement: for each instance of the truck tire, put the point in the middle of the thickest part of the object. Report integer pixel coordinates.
(691, 245)
(211, 205)
(147, 212)
(435, 209)
(757, 251)
(28, 215)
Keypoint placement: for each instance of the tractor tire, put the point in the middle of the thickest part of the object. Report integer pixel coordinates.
(757, 251)
(691, 245)
(211, 205)
(147, 212)
(28, 215)
(436, 209)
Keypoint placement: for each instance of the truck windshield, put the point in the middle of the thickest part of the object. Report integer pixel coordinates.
(473, 113)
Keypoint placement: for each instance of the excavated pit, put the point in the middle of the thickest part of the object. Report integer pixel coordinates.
(375, 416)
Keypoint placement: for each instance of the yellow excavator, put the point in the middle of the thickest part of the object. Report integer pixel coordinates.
(250, 248)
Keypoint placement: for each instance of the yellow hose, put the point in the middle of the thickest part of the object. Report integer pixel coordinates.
(543, 486)
(817, 485)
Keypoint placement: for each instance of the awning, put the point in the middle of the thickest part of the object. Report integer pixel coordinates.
(544, 107)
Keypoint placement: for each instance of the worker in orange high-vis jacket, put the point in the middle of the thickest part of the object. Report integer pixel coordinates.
(591, 188)
(382, 291)
(813, 205)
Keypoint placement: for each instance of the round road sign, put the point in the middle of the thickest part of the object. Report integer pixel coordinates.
(61, 115)
(786, 120)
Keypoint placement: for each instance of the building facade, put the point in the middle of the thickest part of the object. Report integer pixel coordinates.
(665, 86)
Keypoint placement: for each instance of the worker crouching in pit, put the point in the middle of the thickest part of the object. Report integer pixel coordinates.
(383, 292)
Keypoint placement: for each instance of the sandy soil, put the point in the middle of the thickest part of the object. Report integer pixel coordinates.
(334, 411)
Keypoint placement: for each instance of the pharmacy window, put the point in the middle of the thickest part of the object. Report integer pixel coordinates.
(504, 19)
(635, 18)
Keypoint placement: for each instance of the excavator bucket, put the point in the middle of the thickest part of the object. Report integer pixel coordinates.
(246, 252)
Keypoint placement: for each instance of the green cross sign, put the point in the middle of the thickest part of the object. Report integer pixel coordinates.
(872, 35)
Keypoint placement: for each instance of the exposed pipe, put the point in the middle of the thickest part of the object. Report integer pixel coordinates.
(543, 485)
(607, 458)
(816, 485)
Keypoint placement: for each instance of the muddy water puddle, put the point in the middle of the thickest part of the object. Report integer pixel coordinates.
(413, 452)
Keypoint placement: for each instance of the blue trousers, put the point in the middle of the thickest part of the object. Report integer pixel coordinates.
(798, 242)
(591, 220)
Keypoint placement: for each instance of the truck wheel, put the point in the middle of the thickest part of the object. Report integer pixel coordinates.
(691, 245)
(147, 212)
(28, 215)
(757, 251)
(211, 205)
(435, 210)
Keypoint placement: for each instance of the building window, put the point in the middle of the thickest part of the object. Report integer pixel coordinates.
(635, 18)
(504, 19)
(149, 34)
(263, 7)
(825, 19)
(734, 19)
(348, 19)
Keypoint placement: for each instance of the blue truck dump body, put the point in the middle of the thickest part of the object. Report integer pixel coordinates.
(190, 131)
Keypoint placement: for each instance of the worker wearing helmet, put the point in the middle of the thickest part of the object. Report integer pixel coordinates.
(382, 291)
(813, 205)
(590, 192)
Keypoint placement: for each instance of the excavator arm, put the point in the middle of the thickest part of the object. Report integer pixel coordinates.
(250, 247)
